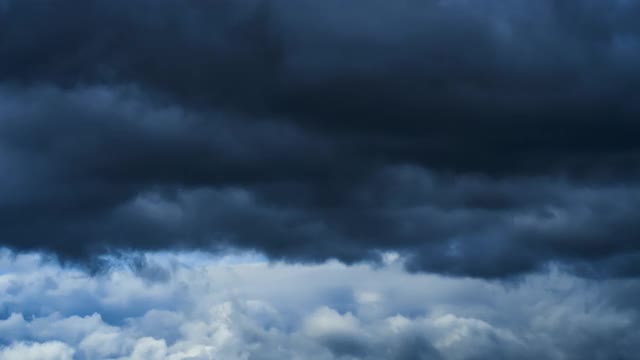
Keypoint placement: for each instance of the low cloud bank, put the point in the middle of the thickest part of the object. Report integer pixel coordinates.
(192, 306)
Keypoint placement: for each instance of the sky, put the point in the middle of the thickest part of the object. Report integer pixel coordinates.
(360, 179)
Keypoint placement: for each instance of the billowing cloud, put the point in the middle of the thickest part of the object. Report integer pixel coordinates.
(484, 140)
(51, 350)
(243, 308)
(410, 179)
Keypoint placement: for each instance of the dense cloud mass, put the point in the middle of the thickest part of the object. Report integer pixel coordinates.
(179, 307)
(482, 139)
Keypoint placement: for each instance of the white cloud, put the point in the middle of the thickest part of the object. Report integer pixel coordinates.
(237, 308)
(328, 322)
(53, 350)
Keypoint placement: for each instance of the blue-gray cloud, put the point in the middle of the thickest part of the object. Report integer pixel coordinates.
(487, 141)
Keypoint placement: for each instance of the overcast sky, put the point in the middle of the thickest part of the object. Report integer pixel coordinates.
(433, 179)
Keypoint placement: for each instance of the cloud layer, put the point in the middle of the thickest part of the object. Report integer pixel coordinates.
(193, 307)
(484, 140)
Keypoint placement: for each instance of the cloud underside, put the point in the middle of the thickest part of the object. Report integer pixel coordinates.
(483, 140)
(171, 309)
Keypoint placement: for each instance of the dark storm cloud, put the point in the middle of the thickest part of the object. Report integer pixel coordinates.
(483, 140)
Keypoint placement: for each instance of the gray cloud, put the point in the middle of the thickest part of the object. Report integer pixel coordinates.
(117, 172)
(486, 141)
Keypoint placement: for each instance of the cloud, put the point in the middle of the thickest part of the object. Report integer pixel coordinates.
(330, 147)
(243, 309)
(52, 350)
(485, 141)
